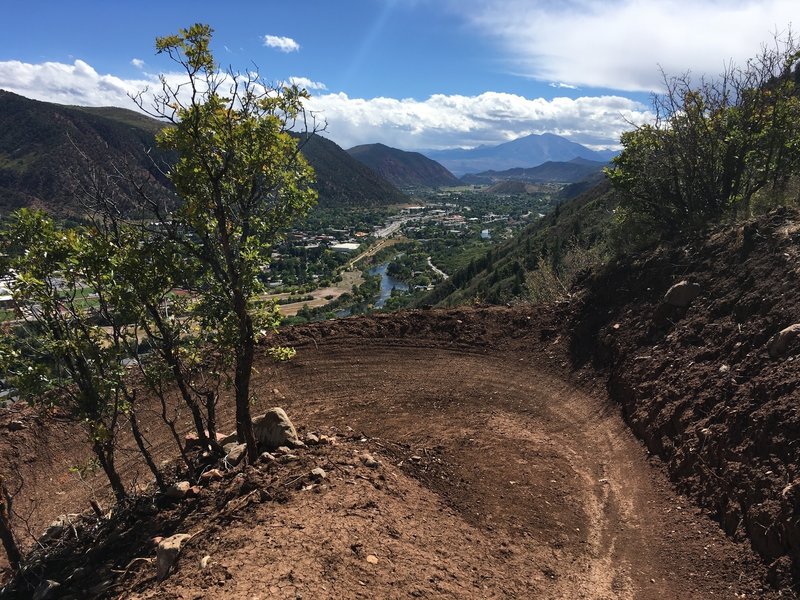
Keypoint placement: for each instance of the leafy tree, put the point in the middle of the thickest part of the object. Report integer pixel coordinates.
(714, 145)
(241, 180)
(68, 350)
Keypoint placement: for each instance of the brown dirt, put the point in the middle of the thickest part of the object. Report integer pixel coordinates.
(697, 384)
(502, 476)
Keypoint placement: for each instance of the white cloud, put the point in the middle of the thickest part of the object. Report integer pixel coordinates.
(490, 118)
(284, 44)
(138, 63)
(619, 44)
(441, 121)
(563, 86)
(76, 83)
(305, 82)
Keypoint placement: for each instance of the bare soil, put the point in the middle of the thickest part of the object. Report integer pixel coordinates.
(698, 385)
(503, 474)
(509, 466)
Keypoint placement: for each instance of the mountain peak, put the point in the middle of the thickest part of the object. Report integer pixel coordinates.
(525, 152)
(402, 168)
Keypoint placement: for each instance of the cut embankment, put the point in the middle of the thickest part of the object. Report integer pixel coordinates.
(702, 384)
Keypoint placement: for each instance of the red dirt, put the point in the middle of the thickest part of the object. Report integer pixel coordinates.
(502, 476)
(699, 387)
(508, 469)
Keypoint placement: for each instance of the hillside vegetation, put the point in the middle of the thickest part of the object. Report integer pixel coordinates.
(403, 169)
(721, 149)
(41, 148)
(577, 228)
(47, 150)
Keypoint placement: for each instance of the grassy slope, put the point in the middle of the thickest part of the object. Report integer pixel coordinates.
(498, 276)
(41, 145)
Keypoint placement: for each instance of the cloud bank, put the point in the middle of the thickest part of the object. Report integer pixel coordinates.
(284, 44)
(466, 121)
(76, 83)
(619, 44)
(440, 121)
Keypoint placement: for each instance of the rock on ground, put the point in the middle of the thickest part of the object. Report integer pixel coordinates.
(780, 342)
(167, 553)
(682, 293)
(275, 429)
(235, 454)
(178, 490)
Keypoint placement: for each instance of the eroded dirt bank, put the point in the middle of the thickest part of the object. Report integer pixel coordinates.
(698, 384)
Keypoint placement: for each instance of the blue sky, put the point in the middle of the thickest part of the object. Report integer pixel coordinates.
(410, 73)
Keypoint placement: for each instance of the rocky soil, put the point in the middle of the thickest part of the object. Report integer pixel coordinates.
(477, 452)
(709, 386)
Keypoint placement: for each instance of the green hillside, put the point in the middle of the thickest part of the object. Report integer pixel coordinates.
(343, 181)
(45, 149)
(580, 222)
(404, 169)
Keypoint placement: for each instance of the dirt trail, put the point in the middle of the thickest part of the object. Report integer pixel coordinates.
(501, 479)
(530, 458)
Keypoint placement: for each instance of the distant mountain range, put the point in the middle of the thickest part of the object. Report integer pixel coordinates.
(403, 169)
(41, 145)
(525, 152)
(552, 171)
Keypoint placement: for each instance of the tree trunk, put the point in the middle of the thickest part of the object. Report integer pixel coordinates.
(170, 354)
(170, 423)
(244, 421)
(211, 416)
(148, 458)
(106, 457)
(6, 533)
(244, 369)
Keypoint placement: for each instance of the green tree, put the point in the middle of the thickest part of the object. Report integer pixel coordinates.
(68, 351)
(714, 145)
(241, 180)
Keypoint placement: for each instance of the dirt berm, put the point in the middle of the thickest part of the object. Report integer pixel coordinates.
(698, 383)
(499, 468)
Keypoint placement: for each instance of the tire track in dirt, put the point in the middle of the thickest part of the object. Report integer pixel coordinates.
(601, 521)
(564, 498)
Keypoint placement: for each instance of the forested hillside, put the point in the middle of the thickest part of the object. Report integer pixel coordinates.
(47, 149)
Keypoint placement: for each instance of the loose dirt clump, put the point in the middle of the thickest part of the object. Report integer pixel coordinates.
(698, 383)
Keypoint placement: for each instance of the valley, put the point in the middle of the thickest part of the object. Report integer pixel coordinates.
(305, 337)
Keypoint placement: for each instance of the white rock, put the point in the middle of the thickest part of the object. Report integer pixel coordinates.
(167, 553)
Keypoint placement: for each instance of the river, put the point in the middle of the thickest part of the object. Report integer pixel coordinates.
(387, 284)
